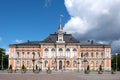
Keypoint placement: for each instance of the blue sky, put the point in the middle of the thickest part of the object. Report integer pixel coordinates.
(22, 20)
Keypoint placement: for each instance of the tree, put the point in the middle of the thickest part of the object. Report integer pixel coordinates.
(2, 52)
(113, 62)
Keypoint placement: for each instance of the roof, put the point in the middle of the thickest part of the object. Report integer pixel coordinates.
(68, 38)
(92, 43)
(27, 43)
(52, 38)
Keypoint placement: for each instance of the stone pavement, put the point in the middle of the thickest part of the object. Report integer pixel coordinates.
(58, 75)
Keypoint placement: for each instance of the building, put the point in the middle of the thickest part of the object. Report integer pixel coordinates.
(60, 51)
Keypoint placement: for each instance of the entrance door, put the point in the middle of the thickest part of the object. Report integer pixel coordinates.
(60, 65)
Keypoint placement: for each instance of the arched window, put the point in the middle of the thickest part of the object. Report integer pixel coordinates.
(22, 62)
(67, 63)
(18, 63)
(23, 54)
(38, 54)
(28, 54)
(33, 53)
(28, 63)
(67, 49)
(91, 54)
(60, 49)
(96, 54)
(46, 52)
(81, 54)
(74, 63)
(74, 52)
(53, 52)
(102, 63)
(101, 54)
(18, 54)
(46, 63)
(60, 52)
(68, 52)
(46, 49)
(86, 54)
(38, 63)
(96, 63)
(92, 63)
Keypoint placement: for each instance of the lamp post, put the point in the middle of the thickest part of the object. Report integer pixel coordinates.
(78, 64)
(40, 62)
(33, 60)
(85, 61)
(56, 63)
(2, 63)
(116, 61)
(64, 63)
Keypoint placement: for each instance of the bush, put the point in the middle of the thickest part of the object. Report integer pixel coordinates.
(48, 70)
(23, 70)
(36, 69)
(9, 70)
(113, 71)
(87, 70)
(100, 71)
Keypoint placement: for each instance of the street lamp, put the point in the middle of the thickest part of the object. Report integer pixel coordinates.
(40, 62)
(85, 61)
(78, 64)
(33, 60)
(2, 63)
(116, 61)
(64, 64)
(56, 63)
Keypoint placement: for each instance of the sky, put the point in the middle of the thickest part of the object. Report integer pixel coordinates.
(34, 20)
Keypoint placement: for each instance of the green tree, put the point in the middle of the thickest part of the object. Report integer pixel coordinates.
(113, 62)
(2, 53)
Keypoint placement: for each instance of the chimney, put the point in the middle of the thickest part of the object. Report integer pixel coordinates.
(92, 42)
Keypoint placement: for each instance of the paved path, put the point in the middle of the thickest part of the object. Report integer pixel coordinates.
(59, 76)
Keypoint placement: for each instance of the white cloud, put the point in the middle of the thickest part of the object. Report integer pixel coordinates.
(94, 19)
(18, 41)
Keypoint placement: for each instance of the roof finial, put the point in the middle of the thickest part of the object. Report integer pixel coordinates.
(61, 20)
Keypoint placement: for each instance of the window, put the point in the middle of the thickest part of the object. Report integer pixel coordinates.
(28, 54)
(18, 55)
(92, 63)
(22, 62)
(68, 52)
(28, 63)
(96, 63)
(53, 52)
(46, 52)
(91, 54)
(74, 63)
(67, 63)
(102, 63)
(18, 63)
(46, 63)
(81, 54)
(101, 54)
(33, 54)
(38, 63)
(86, 54)
(38, 54)
(23, 55)
(75, 52)
(60, 51)
(96, 54)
